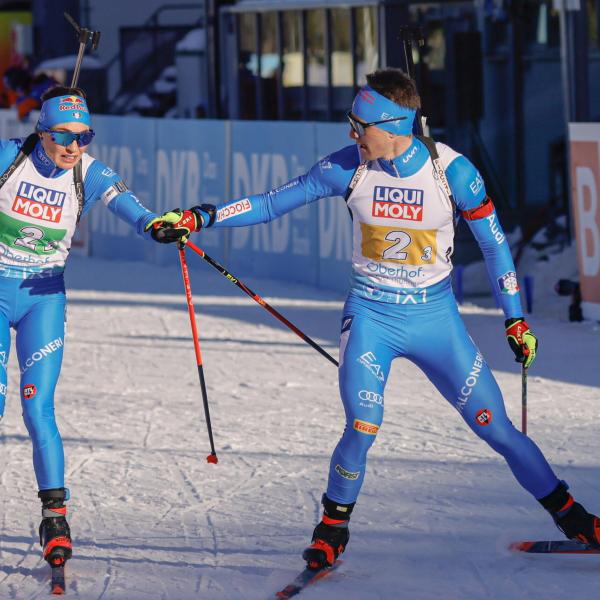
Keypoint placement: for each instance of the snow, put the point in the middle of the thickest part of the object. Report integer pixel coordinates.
(151, 519)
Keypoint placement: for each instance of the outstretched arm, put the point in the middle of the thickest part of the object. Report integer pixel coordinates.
(477, 208)
(329, 177)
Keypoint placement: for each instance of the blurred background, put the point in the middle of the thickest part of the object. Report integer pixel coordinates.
(215, 99)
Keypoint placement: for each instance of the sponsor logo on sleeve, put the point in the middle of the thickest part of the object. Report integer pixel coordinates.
(351, 475)
(397, 203)
(113, 191)
(366, 427)
(484, 416)
(508, 283)
(39, 202)
(476, 185)
(495, 228)
(233, 210)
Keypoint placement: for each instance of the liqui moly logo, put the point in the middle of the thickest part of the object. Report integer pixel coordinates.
(39, 202)
(397, 203)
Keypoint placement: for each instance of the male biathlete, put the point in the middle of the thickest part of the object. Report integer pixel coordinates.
(49, 182)
(401, 303)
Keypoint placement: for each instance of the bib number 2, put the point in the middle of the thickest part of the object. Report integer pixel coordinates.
(401, 241)
(30, 236)
(395, 251)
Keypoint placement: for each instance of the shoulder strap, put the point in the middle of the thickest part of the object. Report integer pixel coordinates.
(439, 170)
(355, 179)
(24, 152)
(79, 191)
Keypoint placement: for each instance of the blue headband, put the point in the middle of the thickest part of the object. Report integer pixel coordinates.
(371, 106)
(63, 109)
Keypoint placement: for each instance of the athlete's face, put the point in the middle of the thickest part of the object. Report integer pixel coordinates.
(376, 143)
(64, 157)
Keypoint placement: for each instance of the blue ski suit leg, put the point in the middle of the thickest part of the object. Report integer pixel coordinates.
(4, 355)
(37, 313)
(432, 335)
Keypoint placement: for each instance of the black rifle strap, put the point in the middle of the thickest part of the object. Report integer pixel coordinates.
(439, 170)
(24, 152)
(79, 192)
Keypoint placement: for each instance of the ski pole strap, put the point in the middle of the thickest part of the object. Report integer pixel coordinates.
(440, 172)
(24, 152)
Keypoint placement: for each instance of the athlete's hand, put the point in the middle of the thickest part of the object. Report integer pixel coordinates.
(521, 341)
(174, 225)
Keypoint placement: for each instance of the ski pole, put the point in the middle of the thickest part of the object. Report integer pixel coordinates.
(85, 36)
(524, 400)
(265, 305)
(212, 457)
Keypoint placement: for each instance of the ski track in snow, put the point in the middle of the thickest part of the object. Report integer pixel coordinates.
(152, 519)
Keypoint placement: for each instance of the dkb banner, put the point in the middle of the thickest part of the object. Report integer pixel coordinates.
(585, 181)
(170, 163)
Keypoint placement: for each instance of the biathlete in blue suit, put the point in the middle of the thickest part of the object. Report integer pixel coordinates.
(49, 183)
(404, 193)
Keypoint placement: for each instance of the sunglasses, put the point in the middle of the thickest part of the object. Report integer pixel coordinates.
(359, 128)
(66, 138)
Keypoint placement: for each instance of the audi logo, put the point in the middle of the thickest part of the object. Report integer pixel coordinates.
(369, 396)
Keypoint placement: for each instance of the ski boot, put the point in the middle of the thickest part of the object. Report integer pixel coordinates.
(55, 535)
(571, 518)
(330, 536)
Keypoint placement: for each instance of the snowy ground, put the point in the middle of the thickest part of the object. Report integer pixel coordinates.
(151, 519)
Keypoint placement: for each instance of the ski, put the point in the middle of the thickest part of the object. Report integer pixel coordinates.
(304, 579)
(554, 547)
(58, 580)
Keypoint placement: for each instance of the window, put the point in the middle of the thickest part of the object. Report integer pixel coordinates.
(248, 66)
(341, 52)
(269, 66)
(367, 54)
(316, 63)
(292, 77)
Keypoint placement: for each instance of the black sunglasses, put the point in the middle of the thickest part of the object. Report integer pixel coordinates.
(359, 128)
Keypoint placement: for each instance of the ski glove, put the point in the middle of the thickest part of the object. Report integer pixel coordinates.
(174, 226)
(521, 341)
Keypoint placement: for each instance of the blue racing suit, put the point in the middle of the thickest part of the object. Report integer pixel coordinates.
(401, 302)
(38, 214)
